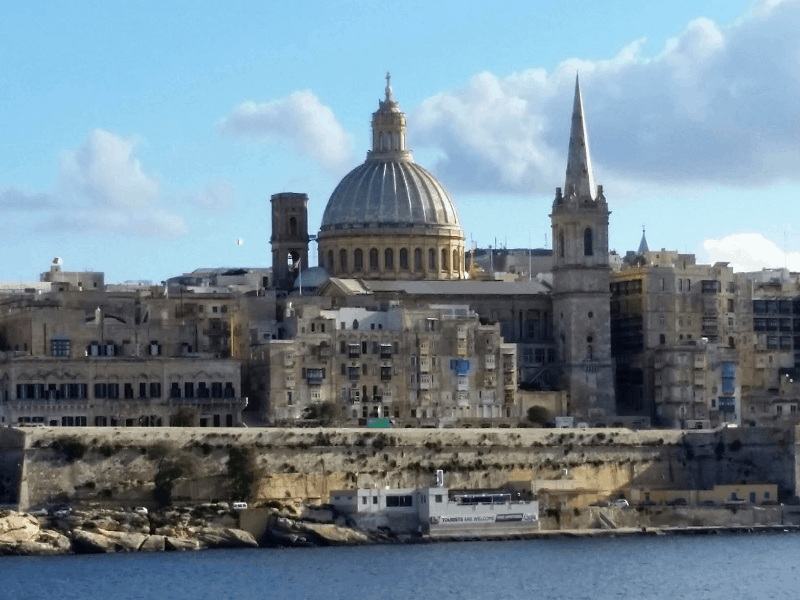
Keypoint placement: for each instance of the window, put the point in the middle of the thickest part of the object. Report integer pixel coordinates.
(431, 260)
(561, 244)
(403, 258)
(373, 259)
(587, 243)
(418, 259)
(155, 389)
(444, 259)
(398, 501)
(388, 259)
(662, 339)
(358, 259)
(59, 346)
(455, 260)
(343, 260)
(330, 260)
(188, 389)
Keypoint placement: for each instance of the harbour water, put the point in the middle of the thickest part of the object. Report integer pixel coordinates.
(670, 567)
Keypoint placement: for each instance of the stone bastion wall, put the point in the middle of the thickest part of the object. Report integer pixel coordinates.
(138, 466)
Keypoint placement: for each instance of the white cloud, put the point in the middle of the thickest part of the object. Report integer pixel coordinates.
(750, 252)
(102, 188)
(308, 124)
(714, 106)
(104, 172)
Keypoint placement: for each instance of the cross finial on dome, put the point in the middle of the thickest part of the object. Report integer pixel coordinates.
(388, 86)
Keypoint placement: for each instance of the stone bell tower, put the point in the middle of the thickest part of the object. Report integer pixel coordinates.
(581, 278)
(289, 238)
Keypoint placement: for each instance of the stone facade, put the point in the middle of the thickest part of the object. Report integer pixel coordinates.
(116, 391)
(581, 276)
(289, 237)
(663, 303)
(423, 367)
(97, 358)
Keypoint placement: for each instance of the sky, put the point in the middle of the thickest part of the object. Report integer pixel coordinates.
(144, 139)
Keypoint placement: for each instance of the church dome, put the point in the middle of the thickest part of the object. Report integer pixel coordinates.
(389, 193)
(389, 218)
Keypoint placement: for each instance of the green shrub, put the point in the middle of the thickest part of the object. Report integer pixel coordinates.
(72, 449)
(538, 414)
(242, 473)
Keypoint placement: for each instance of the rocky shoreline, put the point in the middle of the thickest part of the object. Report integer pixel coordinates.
(106, 530)
(96, 530)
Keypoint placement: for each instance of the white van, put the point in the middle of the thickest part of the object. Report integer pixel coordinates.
(240, 506)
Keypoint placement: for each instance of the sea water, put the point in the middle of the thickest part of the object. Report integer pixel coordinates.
(698, 566)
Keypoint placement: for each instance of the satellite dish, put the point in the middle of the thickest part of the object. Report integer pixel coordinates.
(239, 242)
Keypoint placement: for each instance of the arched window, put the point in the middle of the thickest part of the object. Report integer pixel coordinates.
(589, 352)
(587, 242)
(380, 140)
(330, 261)
(373, 259)
(561, 244)
(455, 261)
(403, 258)
(355, 323)
(358, 259)
(293, 226)
(431, 260)
(444, 259)
(388, 259)
(418, 259)
(343, 260)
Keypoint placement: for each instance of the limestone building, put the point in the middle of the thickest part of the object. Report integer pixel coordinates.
(435, 366)
(124, 358)
(676, 326)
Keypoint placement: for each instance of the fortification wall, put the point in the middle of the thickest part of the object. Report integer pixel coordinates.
(128, 466)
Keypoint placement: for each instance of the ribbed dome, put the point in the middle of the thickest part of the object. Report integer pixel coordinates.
(389, 193)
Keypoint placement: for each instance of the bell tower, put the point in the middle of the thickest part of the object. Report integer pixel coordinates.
(289, 237)
(581, 278)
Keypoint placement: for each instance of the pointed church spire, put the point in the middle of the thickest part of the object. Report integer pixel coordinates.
(579, 163)
(643, 244)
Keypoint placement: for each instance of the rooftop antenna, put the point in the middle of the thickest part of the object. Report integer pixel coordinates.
(530, 259)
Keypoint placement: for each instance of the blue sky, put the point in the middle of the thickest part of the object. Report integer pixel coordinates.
(143, 139)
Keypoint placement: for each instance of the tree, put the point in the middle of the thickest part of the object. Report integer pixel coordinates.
(538, 414)
(242, 473)
(327, 413)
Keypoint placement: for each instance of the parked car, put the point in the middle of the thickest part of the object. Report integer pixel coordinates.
(140, 510)
(621, 503)
(240, 506)
(708, 503)
(677, 502)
